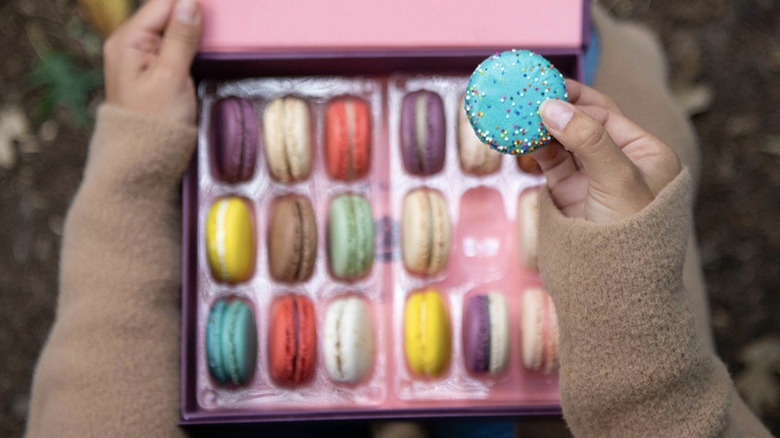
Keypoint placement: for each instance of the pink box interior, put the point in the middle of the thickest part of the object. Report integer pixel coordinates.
(245, 38)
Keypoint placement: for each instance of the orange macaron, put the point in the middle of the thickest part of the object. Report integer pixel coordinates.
(347, 138)
(292, 340)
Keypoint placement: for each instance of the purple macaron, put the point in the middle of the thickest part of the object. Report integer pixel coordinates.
(233, 137)
(422, 133)
(486, 334)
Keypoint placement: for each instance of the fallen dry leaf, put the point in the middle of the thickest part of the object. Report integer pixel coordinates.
(14, 127)
(106, 15)
(772, 145)
(693, 98)
(758, 383)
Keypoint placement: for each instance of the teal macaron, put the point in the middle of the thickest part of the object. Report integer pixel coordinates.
(350, 237)
(503, 97)
(231, 342)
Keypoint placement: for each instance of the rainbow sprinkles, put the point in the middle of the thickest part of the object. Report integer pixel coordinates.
(503, 96)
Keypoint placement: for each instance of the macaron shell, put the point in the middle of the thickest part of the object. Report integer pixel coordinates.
(528, 228)
(233, 138)
(476, 334)
(499, 332)
(230, 240)
(287, 131)
(425, 232)
(307, 340)
(347, 138)
(531, 329)
(350, 237)
(349, 340)
(551, 339)
(292, 340)
(442, 230)
(426, 333)
(292, 239)
(528, 164)
(422, 133)
(476, 157)
(239, 342)
(503, 97)
(214, 342)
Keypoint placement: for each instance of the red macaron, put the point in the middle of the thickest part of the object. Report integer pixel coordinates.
(292, 340)
(347, 138)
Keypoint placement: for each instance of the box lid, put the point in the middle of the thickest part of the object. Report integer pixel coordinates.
(312, 25)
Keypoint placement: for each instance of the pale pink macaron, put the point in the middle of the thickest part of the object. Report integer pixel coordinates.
(538, 331)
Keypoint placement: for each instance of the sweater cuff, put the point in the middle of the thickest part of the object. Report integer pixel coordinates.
(136, 152)
(576, 255)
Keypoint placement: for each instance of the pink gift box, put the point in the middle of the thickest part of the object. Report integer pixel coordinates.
(260, 38)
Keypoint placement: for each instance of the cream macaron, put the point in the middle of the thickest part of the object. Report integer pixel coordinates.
(425, 232)
(287, 133)
(349, 340)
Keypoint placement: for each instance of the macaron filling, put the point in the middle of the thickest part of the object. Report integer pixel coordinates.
(421, 115)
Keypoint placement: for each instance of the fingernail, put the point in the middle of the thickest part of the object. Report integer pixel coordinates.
(556, 114)
(186, 11)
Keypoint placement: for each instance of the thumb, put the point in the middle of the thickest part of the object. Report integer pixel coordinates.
(586, 139)
(612, 177)
(182, 36)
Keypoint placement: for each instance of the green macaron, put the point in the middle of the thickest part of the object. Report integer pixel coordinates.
(231, 342)
(350, 237)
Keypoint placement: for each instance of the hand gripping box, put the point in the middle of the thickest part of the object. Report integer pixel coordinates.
(377, 53)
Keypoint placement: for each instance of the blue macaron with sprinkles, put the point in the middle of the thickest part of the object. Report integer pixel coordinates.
(503, 96)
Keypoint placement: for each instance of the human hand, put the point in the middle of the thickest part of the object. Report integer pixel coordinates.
(147, 60)
(601, 166)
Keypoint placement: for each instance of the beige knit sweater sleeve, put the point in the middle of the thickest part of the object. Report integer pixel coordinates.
(111, 364)
(631, 362)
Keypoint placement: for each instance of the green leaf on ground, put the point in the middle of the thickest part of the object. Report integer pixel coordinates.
(65, 84)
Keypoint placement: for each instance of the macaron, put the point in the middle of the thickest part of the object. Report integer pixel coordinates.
(528, 164)
(423, 133)
(347, 138)
(538, 331)
(475, 158)
(503, 97)
(528, 228)
(486, 333)
(425, 232)
(231, 342)
(287, 131)
(427, 342)
(292, 340)
(230, 240)
(349, 340)
(350, 237)
(233, 138)
(292, 239)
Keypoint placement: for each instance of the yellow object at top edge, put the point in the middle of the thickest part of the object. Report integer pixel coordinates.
(426, 333)
(231, 252)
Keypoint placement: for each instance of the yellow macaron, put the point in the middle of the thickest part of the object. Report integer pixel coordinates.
(230, 240)
(426, 333)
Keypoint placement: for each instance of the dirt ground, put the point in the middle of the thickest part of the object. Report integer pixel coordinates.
(725, 63)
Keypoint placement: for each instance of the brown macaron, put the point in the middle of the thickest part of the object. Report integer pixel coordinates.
(292, 239)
